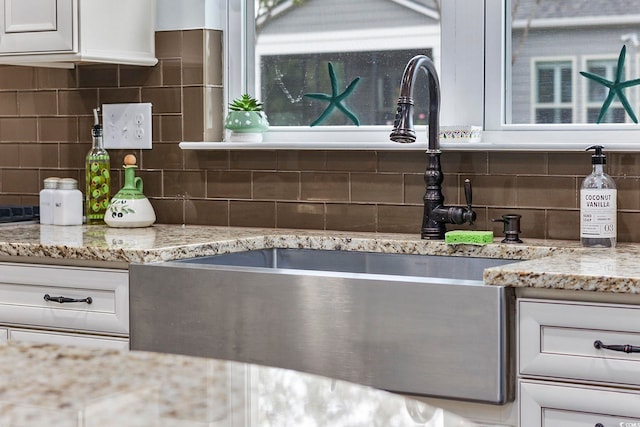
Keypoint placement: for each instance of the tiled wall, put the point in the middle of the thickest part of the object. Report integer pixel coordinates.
(45, 121)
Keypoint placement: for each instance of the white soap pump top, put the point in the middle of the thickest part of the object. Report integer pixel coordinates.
(598, 205)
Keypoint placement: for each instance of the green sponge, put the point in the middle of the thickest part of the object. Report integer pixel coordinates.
(471, 237)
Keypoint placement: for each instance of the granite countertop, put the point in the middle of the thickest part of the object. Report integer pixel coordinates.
(545, 263)
(48, 385)
(172, 242)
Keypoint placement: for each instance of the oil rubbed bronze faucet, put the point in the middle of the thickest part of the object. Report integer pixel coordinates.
(436, 214)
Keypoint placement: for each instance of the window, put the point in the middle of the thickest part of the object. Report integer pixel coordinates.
(284, 79)
(515, 72)
(588, 33)
(371, 40)
(394, 42)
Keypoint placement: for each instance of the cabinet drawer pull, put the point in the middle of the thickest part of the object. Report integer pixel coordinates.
(61, 300)
(599, 425)
(625, 348)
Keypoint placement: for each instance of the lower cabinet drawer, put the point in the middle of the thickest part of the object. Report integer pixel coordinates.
(562, 405)
(22, 297)
(557, 340)
(63, 338)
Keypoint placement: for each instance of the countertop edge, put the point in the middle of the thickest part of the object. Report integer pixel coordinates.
(537, 263)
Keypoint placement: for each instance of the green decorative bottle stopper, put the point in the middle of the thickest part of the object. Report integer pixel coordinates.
(133, 187)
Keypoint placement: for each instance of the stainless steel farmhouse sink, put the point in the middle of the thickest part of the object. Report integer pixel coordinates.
(415, 324)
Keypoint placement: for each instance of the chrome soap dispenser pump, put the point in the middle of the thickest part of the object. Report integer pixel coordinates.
(598, 205)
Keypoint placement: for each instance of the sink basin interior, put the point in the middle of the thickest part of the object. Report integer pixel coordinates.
(448, 267)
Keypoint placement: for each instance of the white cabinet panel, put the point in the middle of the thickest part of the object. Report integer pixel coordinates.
(36, 26)
(556, 339)
(564, 379)
(4, 335)
(62, 338)
(23, 16)
(24, 286)
(64, 32)
(551, 404)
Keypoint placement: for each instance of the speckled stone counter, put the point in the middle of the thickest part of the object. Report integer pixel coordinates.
(172, 242)
(47, 385)
(547, 264)
(601, 270)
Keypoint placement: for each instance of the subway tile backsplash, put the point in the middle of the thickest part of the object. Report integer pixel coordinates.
(46, 117)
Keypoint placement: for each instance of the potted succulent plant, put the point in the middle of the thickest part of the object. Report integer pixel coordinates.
(246, 120)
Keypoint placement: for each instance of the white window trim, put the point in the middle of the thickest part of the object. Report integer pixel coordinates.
(468, 98)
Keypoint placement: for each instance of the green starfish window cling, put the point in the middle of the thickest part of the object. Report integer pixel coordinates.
(615, 88)
(335, 99)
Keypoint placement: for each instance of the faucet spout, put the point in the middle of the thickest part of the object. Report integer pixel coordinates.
(403, 130)
(436, 214)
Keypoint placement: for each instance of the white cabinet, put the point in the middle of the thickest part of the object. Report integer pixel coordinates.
(37, 32)
(61, 304)
(549, 404)
(566, 374)
(66, 338)
(37, 26)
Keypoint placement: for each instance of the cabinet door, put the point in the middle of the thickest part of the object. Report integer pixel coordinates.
(564, 405)
(4, 335)
(23, 288)
(557, 339)
(36, 26)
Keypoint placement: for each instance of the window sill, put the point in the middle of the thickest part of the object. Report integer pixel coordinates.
(334, 145)
(417, 146)
(518, 138)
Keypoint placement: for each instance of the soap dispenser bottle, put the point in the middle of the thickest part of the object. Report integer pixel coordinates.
(598, 205)
(98, 178)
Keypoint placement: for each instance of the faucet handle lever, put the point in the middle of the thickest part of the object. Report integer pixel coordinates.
(468, 194)
(469, 215)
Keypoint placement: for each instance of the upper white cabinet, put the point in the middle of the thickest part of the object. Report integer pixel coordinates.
(48, 32)
(37, 26)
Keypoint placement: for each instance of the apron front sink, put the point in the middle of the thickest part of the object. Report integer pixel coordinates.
(414, 324)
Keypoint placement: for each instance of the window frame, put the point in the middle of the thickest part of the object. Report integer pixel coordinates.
(472, 75)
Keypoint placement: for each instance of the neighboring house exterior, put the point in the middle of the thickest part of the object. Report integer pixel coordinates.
(552, 41)
(371, 39)
(562, 38)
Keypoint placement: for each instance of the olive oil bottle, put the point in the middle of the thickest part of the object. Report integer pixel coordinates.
(98, 178)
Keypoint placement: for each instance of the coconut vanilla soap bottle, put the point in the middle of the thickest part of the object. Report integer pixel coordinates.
(598, 205)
